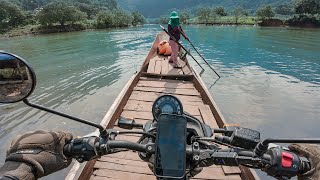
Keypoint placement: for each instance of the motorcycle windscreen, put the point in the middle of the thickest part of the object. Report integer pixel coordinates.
(170, 155)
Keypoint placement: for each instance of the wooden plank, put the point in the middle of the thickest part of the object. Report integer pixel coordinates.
(151, 66)
(171, 85)
(137, 115)
(165, 66)
(188, 92)
(131, 106)
(123, 175)
(134, 105)
(215, 173)
(174, 71)
(193, 110)
(185, 68)
(181, 63)
(121, 168)
(129, 155)
(152, 96)
(207, 116)
(231, 170)
(144, 97)
(126, 162)
(158, 67)
(128, 138)
(101, 178)
(170, 67)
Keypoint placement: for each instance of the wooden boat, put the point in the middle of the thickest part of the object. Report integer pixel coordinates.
(156, 77)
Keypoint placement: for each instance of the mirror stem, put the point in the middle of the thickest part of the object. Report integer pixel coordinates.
(101, 129)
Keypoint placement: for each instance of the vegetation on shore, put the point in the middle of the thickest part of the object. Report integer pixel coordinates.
(21, 17)
(300, 13)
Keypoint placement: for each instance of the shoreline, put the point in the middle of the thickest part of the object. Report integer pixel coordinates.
(34, 30)
(29, 30)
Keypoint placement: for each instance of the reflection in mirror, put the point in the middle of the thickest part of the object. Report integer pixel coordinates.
(17, 80)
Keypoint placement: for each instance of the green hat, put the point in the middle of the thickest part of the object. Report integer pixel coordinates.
(174, 15)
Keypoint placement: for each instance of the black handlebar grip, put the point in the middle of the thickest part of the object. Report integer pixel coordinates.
(67, 150)
(305, 166)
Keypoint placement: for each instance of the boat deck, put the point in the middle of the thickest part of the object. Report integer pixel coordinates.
(161, 65)
(156, 77)
(128, 165)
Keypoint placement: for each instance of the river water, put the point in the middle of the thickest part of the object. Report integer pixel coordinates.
(270, 77)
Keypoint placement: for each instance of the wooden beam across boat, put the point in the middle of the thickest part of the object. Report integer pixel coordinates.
(156, 77)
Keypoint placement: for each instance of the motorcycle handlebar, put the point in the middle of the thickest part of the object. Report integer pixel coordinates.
(88, 148)
(126, 145)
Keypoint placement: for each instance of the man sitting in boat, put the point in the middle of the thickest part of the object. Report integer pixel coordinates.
(175, 29)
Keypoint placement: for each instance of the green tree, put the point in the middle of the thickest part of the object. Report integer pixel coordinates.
(105, 20)
(237, 13)
(59, 12)
(220, 11)
(284, 9)
(30, 4)
(106, 4)
(213, 15)
(308, 7)
(89, 9)
(10, 15)
(185, 16)
(137, 18)
(204, 14)
(265, 12)
(121, 19)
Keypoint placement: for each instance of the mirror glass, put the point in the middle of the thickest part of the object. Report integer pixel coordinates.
(17, 79)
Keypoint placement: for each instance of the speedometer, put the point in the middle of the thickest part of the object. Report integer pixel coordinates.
(166, 104)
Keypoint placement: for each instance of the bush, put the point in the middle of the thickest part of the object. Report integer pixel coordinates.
(220, 11)
(265, 12)
(185, 16)
(304, 20)
(59, 12)
(204, 14)
(104, 20)
(90, 10)
(121, 19)
(10, 15)
(308, 7)
(110, 19)
(137, 18)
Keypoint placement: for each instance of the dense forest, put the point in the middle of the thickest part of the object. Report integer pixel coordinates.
(166, 6)
(45, 16)
(18, 17)
(305, 13)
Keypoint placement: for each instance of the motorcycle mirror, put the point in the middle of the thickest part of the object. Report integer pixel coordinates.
(17, 78)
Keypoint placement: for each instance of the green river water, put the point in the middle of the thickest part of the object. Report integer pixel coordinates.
(270, 77)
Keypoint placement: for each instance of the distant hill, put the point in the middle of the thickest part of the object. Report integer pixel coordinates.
(156, 8)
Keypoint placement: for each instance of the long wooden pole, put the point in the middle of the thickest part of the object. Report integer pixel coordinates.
(174, 39)
(201, 56)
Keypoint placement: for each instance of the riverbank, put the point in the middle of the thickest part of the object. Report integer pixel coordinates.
(38, 29)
